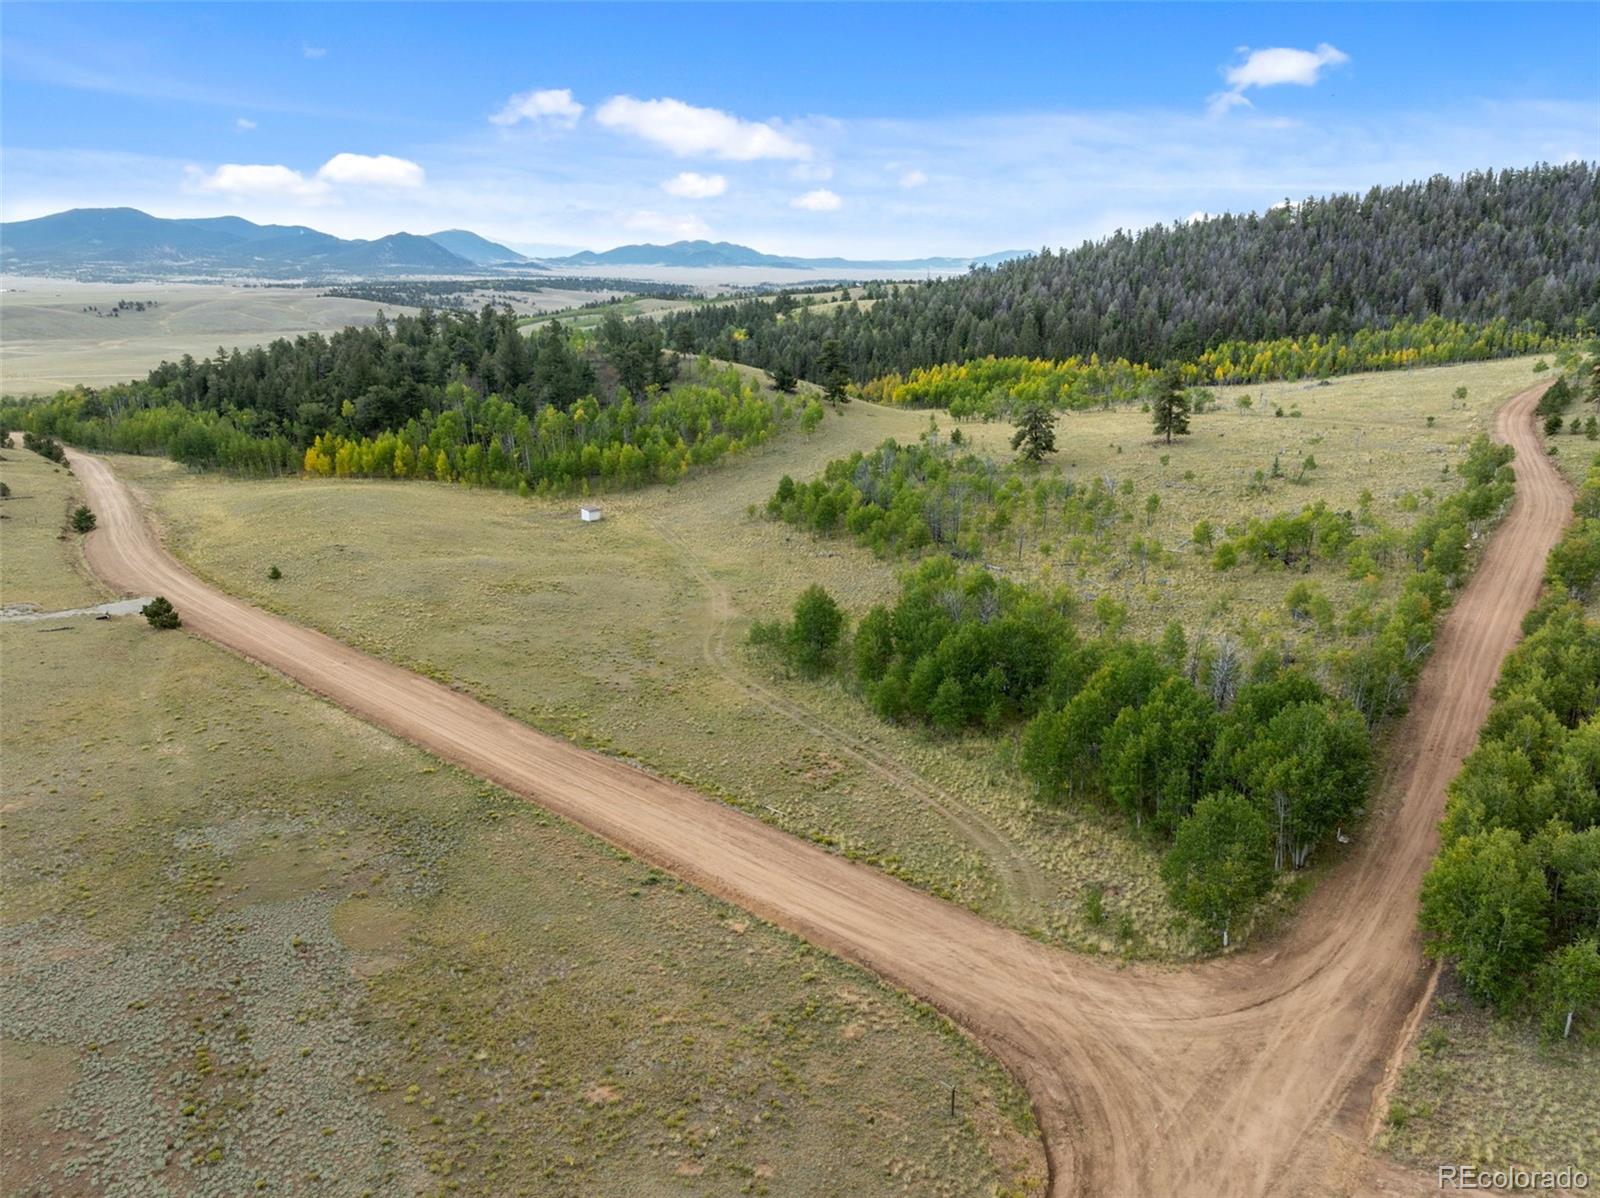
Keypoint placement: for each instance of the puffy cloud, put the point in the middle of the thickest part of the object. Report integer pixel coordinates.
(552, 104)
(243, 123)
(371, 170)
(687, 130)
(275, 179)
(1273, 68)
(913, 178)
(820, 200)
(1269, 68)
(689, 185)
(658, 224)
(257, 179)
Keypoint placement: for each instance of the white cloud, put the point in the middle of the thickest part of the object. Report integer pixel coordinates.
(1220, 103)
(690, 185)
(553, 104)
(1273, 68)
(913, 178)
(687, 130)
(820, 200)
(314, 51)
(283, 182)
(371, 170)
(257, 179)
(243, 123)
(811, 172)
(659, 224)
(1269, 68)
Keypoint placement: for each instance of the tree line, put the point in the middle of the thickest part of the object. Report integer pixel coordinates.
(1516, 253)
(454, 397)
(995, 388)
(458, 293)
(1513, 896)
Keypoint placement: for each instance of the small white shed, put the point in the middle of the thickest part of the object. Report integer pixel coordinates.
(589, 514)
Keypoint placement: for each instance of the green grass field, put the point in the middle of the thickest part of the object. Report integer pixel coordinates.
(627, 635)
(254, 945)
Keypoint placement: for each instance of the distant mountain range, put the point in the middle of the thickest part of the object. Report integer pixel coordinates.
(477, 249)
(109, 243)
(723, 253)
(113, 243)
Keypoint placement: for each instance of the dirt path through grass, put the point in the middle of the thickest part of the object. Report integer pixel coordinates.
(1026, 891)
(1251, 1075)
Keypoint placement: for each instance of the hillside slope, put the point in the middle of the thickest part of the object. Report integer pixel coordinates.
(1523, 245)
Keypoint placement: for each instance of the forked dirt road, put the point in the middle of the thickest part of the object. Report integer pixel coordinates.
(1252, 1075)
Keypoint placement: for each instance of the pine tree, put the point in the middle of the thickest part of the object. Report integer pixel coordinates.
(835, 374)
(1036, 432)
(82, 520)
(1170, 405)
(161, 614)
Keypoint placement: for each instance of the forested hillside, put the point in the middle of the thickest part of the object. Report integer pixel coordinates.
(1522, 246)
(452, 397)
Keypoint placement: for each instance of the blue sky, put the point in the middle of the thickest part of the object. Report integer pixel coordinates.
(898, 129)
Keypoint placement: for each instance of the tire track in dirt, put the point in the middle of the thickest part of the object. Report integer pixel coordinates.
(1027, 892)
(1250, 1075)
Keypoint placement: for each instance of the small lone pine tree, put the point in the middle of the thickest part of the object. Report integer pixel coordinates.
(274, 573)
(1036, 432)
(835, 374)
(82, 520)
(783, 379)
(1170, 405)
(161, 614)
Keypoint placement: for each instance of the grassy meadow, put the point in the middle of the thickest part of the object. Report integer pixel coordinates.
(1398, 436)
(41, 561)
(1477, 1090)
(627, 635)
(254, 945)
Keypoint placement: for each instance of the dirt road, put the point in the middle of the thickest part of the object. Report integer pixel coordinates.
(1254, 1075)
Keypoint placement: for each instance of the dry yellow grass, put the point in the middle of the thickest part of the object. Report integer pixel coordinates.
(257, 945)
(41, 563)
(1393, 434)
(1479, 1091)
